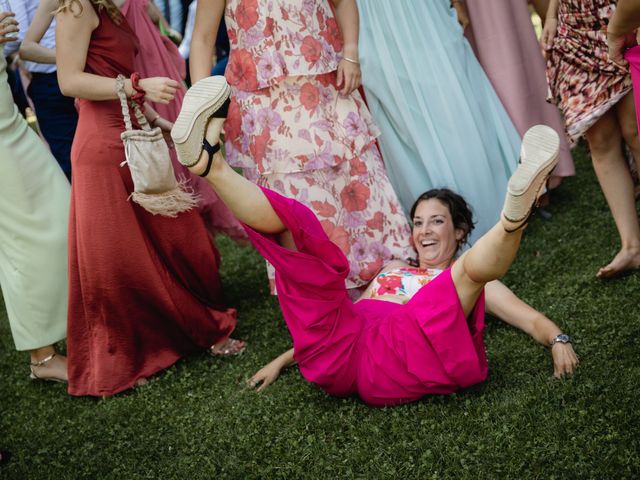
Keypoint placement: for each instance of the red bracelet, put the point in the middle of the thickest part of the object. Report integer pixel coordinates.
(139, 93)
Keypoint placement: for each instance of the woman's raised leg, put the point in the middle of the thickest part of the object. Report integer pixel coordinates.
(492, 255)
(204, 110)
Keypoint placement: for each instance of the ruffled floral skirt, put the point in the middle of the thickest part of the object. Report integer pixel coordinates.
(584, 83)
(304, 140)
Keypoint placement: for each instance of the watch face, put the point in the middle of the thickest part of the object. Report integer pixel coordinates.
(563, 338)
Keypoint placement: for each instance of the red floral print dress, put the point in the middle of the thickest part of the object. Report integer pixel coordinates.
(584, 83)
(290, 129)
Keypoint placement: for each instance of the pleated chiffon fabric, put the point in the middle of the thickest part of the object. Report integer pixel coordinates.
(385, 352)
(442, 123)
(34, 217)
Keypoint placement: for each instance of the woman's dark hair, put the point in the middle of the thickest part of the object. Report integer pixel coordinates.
(459, 209)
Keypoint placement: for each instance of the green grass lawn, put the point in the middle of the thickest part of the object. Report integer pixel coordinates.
(197, 419)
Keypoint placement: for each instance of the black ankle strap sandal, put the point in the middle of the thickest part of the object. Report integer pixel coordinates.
(211, 151)
(223, 110)
(206, 146)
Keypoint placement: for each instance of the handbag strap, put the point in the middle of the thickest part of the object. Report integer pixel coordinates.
(142, 120)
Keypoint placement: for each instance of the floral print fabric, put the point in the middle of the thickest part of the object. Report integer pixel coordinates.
(290, 129)
(300, 124)
(357, 208)
(404, 281)
(273, 39)
(584, 83)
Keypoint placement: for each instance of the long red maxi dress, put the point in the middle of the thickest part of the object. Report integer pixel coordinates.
(144, 289)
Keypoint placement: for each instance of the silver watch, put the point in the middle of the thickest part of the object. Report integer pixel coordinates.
(562, 338)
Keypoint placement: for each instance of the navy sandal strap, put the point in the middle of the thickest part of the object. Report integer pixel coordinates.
(211, 151)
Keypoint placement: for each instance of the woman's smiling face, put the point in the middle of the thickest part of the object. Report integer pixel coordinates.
(434, 235)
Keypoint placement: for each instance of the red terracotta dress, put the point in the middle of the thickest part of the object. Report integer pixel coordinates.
(159, 57)
(144, 289)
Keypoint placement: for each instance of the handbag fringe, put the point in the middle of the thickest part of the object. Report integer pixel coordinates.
(167, 204)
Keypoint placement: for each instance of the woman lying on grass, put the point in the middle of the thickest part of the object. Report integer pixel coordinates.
(415, 331)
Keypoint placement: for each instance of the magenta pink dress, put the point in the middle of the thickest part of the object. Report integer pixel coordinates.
(633, 57)
(385, 352)
(159, 57)
(505, 43)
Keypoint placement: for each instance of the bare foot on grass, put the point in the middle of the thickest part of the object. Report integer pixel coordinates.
(627, 259)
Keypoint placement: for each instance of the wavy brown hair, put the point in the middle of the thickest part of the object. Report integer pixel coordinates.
(76, 7)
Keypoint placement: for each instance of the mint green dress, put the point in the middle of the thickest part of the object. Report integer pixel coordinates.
(34, 213)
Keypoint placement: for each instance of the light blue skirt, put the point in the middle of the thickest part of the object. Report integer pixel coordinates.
(442, 123)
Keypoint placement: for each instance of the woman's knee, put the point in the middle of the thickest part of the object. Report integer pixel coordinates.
(603, 138)
(629, 128)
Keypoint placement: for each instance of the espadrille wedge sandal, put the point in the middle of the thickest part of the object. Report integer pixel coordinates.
(205, 99)
(538, 156)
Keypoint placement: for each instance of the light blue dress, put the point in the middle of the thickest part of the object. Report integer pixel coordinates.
(442, 123)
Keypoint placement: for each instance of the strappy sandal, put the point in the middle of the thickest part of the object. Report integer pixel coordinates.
(205, 99)
(45, 360)
(538, 157)
(229, 348)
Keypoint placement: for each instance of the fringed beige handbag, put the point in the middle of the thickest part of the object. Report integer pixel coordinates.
(155, 186)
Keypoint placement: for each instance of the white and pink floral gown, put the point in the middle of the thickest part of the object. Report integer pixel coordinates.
(290, 129)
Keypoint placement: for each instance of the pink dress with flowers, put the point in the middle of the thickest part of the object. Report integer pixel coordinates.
(290, 129)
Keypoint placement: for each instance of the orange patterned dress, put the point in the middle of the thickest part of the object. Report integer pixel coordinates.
(584, 83)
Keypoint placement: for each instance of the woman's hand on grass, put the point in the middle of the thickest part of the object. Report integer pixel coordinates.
(565, 360)
(269, 373)
(266, 376)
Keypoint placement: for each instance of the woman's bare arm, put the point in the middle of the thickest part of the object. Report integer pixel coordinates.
(270, 372)
(203, 41)
(504, 304)
(73, 33)
(349, 75)
(31, 49)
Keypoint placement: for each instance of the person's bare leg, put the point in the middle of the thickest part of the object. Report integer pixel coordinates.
(244, 198)
(605, 139)
(493, 254)
(53, 368)
(488, 260)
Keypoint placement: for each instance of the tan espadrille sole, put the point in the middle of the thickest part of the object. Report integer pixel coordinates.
(200, 102)
(539, 154)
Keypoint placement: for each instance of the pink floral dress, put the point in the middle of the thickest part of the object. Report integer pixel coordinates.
(290, 129)
(584, 83)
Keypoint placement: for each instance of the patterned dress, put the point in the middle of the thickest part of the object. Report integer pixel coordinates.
(584, 83)
(290, 129)
(403, 281)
